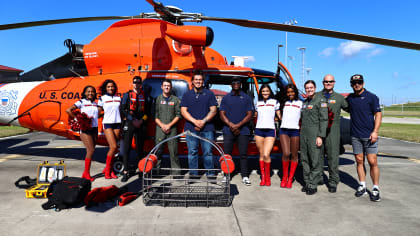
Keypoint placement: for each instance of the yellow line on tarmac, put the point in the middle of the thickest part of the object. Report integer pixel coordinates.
(414, 160)
(3, 159)
(408, 158)
(70, 146)
(12, 156)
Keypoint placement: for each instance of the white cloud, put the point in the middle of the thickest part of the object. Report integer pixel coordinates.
(375, 52)
(326, 52)
(352, 48)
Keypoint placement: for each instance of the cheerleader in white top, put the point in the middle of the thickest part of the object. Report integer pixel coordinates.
(110, 102)
(265, 132)
(289, 134)
(88, 105)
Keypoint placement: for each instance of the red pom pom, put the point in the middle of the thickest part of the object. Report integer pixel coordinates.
(85, 121)
(82, 122)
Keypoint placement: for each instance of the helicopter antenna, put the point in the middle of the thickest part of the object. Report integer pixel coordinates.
(80, 76)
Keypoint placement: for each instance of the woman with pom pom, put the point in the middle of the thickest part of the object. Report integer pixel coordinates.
(87, 121)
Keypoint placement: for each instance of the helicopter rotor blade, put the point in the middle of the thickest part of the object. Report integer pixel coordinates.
(315, 31)
(62, 21)
(164, 12)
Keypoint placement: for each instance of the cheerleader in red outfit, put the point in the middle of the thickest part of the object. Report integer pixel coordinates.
(89, 128)
(289, 134)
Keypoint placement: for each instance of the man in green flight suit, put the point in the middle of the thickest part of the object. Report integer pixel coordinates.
(167, 114)
(335, 102)
(314, 126)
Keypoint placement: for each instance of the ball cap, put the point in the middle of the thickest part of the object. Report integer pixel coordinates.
(356, 77)
(137, 80)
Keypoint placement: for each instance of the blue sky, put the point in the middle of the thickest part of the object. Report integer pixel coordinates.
(391, 73)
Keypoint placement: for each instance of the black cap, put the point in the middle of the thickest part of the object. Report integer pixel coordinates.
(356, 77)
(137, 79)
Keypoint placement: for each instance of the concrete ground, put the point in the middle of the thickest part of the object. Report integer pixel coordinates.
(255, 210)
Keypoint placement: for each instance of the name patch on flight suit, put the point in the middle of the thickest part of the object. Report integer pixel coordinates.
(171, 103)
(332, 101)
(310, 107)
(323, 104)
(163, 102)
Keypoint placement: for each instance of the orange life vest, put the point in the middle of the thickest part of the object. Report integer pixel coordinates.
(137, 101)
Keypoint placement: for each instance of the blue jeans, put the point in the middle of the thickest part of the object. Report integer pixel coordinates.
(206, 147)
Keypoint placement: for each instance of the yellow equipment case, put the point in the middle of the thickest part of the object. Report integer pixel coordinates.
(46, 174)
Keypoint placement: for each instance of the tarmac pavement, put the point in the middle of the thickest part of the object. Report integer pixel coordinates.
(255, 210)
(402, 120)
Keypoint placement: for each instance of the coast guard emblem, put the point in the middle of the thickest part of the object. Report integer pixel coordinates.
(8, 103)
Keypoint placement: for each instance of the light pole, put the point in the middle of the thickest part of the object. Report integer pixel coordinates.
(307, 71)
(278, 52)
(289, 22)
(290, 59)
(302, 49)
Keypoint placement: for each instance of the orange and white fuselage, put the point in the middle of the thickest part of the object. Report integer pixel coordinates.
(152, 49)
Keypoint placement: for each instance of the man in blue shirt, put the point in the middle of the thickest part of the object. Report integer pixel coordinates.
(198, 107)
(236, 111)
(366, 117)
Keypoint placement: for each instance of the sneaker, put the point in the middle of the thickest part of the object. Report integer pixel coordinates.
(246, 181)
(125, 177)
(375, 195)
(360, 191)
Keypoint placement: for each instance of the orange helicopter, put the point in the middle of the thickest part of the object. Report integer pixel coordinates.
(152, 45)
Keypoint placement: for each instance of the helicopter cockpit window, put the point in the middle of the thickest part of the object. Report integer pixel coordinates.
(153, 87)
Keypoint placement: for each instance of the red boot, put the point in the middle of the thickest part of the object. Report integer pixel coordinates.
(267, 170)
(86, 173)
(262, 183)
(285, 174)
(293, 165)
(109, 174)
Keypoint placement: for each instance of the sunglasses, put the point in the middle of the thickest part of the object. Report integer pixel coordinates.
(360, 82)
(137, 82)
(328, 81)
(236, 82)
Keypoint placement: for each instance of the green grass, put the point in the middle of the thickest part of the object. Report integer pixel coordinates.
(411, 109)
(408, 132)
(12, 130)
(397, 114)
(411, 106)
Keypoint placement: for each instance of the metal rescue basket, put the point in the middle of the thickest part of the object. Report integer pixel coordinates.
(162, 187)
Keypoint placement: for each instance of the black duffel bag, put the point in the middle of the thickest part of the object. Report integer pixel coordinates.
(66, 193)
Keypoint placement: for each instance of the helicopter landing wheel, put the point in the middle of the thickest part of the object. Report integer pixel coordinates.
(118, 165)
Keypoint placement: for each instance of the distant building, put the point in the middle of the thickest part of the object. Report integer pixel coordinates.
(9, 74)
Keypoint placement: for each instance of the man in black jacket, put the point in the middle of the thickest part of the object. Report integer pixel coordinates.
(133, 112)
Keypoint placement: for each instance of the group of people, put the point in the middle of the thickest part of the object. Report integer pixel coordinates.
(311, 126)
(320, 134)
(127, 113)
